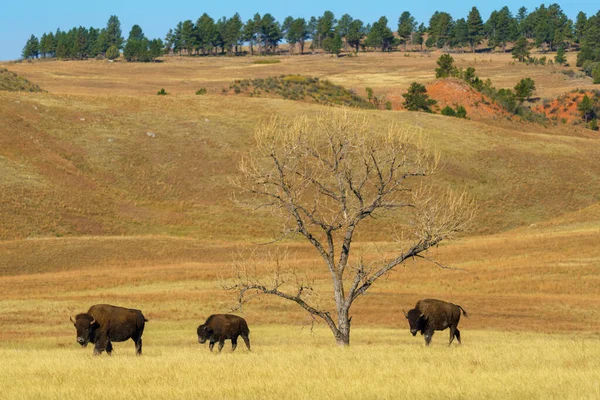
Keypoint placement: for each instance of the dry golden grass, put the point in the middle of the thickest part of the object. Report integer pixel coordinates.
(112, 194)
(290, 363)
(122, 165)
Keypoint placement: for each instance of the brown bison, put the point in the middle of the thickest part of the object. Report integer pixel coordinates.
(219, 327)
(104, 324)
(434, 315)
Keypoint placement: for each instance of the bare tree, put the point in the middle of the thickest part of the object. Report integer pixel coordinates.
(324, 177)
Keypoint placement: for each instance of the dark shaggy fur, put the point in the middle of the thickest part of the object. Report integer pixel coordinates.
(104, 324)
(220, 327)
(431, 315)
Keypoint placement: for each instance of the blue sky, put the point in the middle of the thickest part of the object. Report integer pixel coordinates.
(19, 20)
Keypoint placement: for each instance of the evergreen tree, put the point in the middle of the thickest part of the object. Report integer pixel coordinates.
(45, 45)
(521, 49)
(474, 28)
(155, 49)
(92, 39)
(586, 108)
(136, 48)
(233, 33)
(101, 45)
(446, 66)
(460, 33)
(440, 29)
(380, 36)
(297, 33)
(418, 36)
(524, 89)
(355, 34)
(560, 58)
(113, 32)
(270, 32)
(406, 26)
(333, 45)
(343, 27)
(590, 41)
(188, 37)
(580, 24)
(249, 34)
(501, 28)
(169, 42)
(32, 48)
(80, 43)
(417, 99)
(63, 50)
(324, 28)
(206, 34)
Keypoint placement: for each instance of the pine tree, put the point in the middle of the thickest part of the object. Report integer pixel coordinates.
(113, 32)
(586, 108)
(406, 26)
(560, 58)
(474, 28)
(32, 48)
(580, 24)
(521, 49)
(355, 34)
(524, 89)
(417, 99)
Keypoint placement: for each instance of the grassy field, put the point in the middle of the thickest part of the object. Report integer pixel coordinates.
(287, 362)
(111, 194)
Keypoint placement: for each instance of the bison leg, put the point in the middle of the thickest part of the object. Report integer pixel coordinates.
(246, 340)
(428, 335)
(138, 347)
(211, 345)
(457, 334)
(101, 344)
(221, 344)
(452, 334)
(109, 348)
(233, 344)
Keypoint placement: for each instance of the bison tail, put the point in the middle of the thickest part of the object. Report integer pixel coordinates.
(146, 319)
(463, 311)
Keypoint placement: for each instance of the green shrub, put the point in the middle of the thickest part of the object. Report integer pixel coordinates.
(596, 74)
(112, 52)
(448, 111)
(594, 124)
(446, 67)
(201, 91)
(388, 105)
(417, 98)
(161, 92)
(461, 112)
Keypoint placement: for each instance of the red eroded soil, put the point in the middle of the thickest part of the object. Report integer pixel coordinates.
(455, 92)
(563, 108)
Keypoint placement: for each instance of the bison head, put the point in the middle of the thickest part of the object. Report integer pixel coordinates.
(204, 333)
(86, 326)
(416, 320)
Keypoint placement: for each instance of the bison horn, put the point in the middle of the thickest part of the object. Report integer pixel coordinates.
(93, 321)
(405, 314)
(71, 318)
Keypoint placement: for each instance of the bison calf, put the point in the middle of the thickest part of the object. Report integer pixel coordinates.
(434, 315)
(220, 327)
(104, 324)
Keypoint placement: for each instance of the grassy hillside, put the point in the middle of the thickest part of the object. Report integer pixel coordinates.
(106, 165)
(11, 82)
(111, 194)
